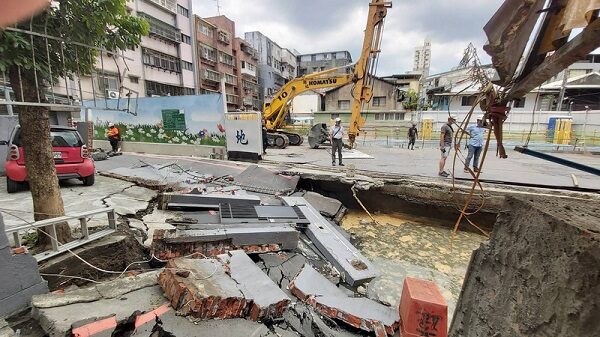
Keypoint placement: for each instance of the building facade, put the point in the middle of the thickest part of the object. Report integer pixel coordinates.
(247, 71)
(276, 65)
(311, 63)
(383, 109)
(163, 65)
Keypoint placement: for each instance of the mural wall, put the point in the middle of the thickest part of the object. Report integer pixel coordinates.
(194, 120)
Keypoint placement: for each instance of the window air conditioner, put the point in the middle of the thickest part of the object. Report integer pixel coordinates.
(111, 94)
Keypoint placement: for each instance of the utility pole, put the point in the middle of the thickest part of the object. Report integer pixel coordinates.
(587, 110)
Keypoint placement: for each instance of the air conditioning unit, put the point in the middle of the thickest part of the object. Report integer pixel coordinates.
(111, 94)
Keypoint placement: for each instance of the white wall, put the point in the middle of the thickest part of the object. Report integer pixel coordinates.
(306, 103)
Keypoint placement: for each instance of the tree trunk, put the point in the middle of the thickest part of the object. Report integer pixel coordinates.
(41, 170)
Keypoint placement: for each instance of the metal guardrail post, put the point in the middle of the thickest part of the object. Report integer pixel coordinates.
(53, 237)
(112, 219)
(84, 228)
(17, 239)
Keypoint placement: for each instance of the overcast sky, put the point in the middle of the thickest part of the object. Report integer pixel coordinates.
(328, 25)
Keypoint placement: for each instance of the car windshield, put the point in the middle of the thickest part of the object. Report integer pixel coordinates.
(60, 138)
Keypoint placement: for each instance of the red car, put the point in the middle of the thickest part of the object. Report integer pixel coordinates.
(71, 158)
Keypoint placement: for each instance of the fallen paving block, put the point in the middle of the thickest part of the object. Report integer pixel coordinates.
(282, 267)
(204, 201)
(353, 266)
(206, 293)
(268, 300)
(262, 180)
(314, 289)
(212, 240)
(423, 309)
(328, 207)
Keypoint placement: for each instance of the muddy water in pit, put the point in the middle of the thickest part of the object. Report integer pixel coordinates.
(404, 245)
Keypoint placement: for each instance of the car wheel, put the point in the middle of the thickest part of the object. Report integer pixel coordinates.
(89, 181)
(12, 186)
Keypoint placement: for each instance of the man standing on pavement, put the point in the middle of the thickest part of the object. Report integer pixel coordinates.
(336, 134)
(413, 134)
(475, 144)
(446, 136)
(113, 137)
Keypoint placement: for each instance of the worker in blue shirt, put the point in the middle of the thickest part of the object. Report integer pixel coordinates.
(475, 144)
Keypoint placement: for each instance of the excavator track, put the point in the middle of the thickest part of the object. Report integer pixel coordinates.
(295, 139)
(278, 139)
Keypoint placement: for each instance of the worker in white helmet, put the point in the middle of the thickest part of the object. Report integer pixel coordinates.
(336, 134)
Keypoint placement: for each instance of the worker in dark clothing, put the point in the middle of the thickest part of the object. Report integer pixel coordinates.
(265, 136)
(113, 137)
(413, 134)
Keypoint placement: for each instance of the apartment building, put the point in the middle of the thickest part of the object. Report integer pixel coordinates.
(276, 65)
(162, 66)
(311, 63)
(247, 71)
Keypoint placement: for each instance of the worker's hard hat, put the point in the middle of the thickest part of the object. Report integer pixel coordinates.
(338, 120)
(110, 125)
(480, 117)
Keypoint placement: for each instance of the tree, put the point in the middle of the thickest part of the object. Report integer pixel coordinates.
(411, 101)
(102, 24)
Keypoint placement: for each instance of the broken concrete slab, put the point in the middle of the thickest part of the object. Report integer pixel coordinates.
(353, 266)
(57, 313)
(202, 289)
(160, 176)
(212, 240)
(314, 289)
(262, 180)
(309, 323)
(5, 329)
(282, 267)
(328, 207)
(268, 300)
(157, 220)
(19, 279)
(204, 201)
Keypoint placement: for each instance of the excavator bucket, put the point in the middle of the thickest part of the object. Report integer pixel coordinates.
(318, 135)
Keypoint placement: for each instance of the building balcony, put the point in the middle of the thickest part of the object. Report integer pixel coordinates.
(211, 75)
(160, 29)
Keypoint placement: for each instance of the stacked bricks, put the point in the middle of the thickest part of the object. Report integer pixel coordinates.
(423, 309)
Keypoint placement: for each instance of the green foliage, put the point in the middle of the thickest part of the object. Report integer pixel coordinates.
(102, 24)
(155, 134)
(411, 100)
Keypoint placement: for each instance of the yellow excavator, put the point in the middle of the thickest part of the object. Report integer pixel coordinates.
(361, 77)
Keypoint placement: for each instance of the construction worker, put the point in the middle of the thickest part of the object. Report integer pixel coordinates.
(113, 137)
(336, 134)
(413, 134)
(475, 144)
(446, 136)
(265, 136)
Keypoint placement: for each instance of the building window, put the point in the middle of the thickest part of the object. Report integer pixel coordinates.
(212, 75)
(161, 29)
(344, 104)
(170, 5)
(468, 100)
(160, 60)
(108, 83)
(519, 102)
(187, 65)
(160, 89)
(389, 116)
(230, 79)
(207, 53)
(183, 11)
(206, 30)
(223, 37)
(226, 59)
(186, 39)
(379, 101)
(134, 79)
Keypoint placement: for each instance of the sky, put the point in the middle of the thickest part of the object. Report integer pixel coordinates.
(329, 25)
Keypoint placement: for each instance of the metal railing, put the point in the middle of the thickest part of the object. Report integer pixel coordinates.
(61, 248)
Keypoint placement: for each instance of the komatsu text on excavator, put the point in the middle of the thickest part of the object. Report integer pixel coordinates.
(361, 77)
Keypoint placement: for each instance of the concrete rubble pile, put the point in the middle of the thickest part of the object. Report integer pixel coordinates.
(236, 260)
